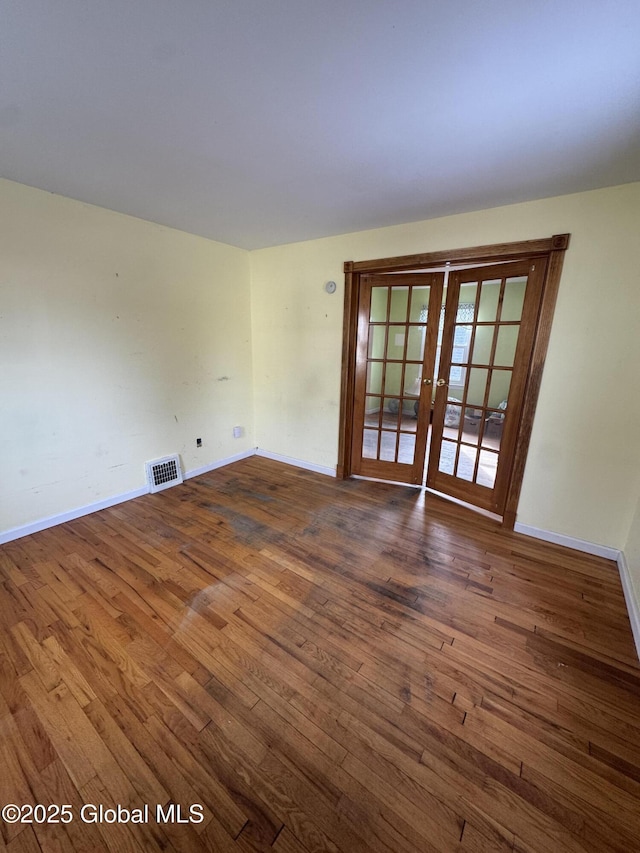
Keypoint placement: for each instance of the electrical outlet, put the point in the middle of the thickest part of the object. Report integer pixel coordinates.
(198, 442)
(237, 432)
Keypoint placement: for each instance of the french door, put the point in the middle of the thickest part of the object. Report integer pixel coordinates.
(396, 354)
(486, 344)
(441, 365)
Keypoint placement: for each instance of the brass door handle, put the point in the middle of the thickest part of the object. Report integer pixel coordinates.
(440, 383)
(426, 381)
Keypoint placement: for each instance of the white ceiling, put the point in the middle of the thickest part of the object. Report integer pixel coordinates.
(258, 122)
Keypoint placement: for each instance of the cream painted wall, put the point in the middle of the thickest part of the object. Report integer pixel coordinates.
(632, 554)
(116, 336)
(120, 341)
(582, 477)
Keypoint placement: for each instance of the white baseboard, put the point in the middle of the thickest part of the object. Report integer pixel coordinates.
(632, 602)
(298, 463)
(197, 472)
(53, 520)
(568, 541)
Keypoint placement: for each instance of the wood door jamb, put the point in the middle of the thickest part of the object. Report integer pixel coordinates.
(551, 247)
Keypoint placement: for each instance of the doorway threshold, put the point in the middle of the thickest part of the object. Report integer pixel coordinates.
(417, 486)
(478, 510)
(426, 491)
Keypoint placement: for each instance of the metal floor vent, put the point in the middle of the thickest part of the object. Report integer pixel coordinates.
(162, 473)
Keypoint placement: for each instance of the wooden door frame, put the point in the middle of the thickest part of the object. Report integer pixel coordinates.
(552, 248)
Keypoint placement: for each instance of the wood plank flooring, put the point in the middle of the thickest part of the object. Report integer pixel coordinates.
(319, 666)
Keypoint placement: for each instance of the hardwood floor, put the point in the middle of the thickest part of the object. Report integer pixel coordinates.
(323, 666)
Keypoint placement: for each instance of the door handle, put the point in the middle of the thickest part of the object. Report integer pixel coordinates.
(426, 381)
(440, 383)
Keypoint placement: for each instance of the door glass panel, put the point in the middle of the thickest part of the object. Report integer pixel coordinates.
(395, 343)
(499, 390)
(487, 467)
(513, 298)
(506, 345)
(388, 446)
(412, 380)
(370, 444)
(482, 344)
(490, 295)
(372, 412)
(471, 425)
(459, 355)
(391, 414)
(415, 342)
(399, 301)
(477, 386)
(467, 302)
(461, 342)
(409, 418)
(466, 463)
(419, 304)
(374, 377)
(447, 457)
(406, 448)
(376, 341)
(457, 376)
(493, 425)
(379, 298)
(393, 379)
(452, 415)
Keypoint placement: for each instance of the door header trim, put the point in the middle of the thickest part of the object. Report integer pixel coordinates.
(495, 252)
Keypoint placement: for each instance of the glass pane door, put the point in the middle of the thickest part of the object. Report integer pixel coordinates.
(394, 366)
(487, 335)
